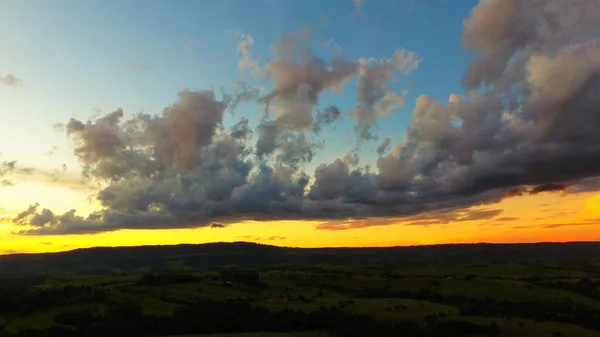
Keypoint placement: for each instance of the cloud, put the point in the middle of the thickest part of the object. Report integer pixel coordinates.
(527, 124)
(260, 238)
(382, 148)
(355, 224)
(10, 80)
(358, 6)
(326, 117)
(591, 222)
(299, 77)
(358, 3)
(217, 225)
(374, 84)
(269, 238)
(570, 224)
(52, 150)
(427, 219)
(326, 44)
(544, 188)
(507, 218)
(323, 19)
(10, 169)
(188, 45)
(247, 62)
(63, 178)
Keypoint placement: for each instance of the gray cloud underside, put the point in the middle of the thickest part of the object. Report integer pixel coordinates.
(432, 218)
(528, 125)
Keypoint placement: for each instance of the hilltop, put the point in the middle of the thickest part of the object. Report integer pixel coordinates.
(248, 255)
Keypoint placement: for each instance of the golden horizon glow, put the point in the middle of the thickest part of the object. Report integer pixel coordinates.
(534, 218)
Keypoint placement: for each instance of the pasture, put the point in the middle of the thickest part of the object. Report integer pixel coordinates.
(426, 295)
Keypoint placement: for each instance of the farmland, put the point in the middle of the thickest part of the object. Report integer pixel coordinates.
(493, 298)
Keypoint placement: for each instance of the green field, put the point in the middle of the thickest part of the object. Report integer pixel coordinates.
(425, 295)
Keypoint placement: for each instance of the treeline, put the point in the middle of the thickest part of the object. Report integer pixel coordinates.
(584, 287)
(28, 301)
(566, 311)
(214, 255)
(236, 316)
(165, 278)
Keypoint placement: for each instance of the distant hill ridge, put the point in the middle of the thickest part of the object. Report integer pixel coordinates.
(245, 254)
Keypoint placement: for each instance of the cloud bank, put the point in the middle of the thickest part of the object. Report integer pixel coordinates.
(528, 124)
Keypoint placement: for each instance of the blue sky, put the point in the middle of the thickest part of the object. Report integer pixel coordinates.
(77, 56)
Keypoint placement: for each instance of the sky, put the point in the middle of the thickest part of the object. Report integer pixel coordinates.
(298, 123)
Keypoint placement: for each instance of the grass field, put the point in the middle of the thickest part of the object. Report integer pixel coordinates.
(512, 290)
(326, 286)
(496, 270)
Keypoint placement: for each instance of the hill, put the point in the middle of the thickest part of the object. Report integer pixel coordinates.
(243, 254)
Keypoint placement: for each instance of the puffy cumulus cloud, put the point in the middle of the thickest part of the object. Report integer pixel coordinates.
(375, 98)
(10, 80)
(527, 124)
(505, 33)
(299, 77)
(290, 123)
(527, 129)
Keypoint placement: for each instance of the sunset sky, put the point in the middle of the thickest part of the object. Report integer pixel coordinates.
(298, 123)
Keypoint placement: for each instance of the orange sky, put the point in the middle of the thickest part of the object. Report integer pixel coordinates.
(533, 218)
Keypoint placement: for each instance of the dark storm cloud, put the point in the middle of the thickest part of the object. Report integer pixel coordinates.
(550, 187)
(527, 124)
(217, 225)
(543, 188)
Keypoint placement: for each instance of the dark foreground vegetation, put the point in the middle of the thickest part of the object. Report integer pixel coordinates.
(212, 290)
